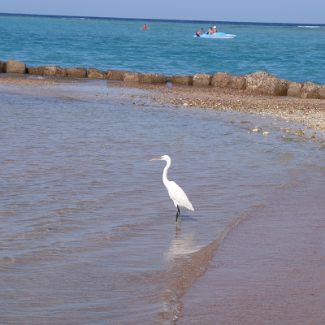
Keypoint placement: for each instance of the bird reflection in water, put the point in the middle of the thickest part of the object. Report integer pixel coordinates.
(182, 244)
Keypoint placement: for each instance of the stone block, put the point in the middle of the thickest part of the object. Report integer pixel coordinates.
(321, 92)
(96, 74)
(53, 70)
(131, 77)
(202, 80)
(264, 83)
(225, 80)
(310, 90)
(15, 67)
(76, 72)
(36, 70)
(115, 75)
(182, 80)
(152, 78)
(294, 89)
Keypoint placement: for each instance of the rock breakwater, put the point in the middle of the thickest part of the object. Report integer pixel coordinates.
(259, 83)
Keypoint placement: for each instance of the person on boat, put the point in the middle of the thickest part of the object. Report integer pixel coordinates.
(210, 31)
(199, 32)
(214, 29)
(145, 27)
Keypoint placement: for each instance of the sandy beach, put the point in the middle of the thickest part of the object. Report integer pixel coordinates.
(270, 269)
(309, 113)
(251, 253)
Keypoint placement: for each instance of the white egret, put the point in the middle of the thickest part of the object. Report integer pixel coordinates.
(175, 192)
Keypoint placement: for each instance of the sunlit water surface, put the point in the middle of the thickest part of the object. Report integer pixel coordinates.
(288, 51)
(88, 233)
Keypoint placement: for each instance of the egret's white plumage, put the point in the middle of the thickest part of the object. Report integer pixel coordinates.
(176, 193)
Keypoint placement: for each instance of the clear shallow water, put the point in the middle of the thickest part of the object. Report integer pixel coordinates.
(88, 232)
(270, 269)
(288, 51)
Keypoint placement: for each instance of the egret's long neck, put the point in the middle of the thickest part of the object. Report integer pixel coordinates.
(164, 177)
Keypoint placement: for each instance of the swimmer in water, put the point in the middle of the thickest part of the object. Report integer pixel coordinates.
(199, 32)
(210, 31)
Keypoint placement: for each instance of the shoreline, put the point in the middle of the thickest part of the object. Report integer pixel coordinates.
(178, 96)
(9, 14)
(308, 112)
(267, 270)
(256, 83)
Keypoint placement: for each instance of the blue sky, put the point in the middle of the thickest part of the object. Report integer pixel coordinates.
(287, 11)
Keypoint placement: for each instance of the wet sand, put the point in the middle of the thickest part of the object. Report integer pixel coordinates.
(309, 113)
(270, 269)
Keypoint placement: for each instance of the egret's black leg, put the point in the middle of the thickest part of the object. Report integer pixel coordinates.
(178, 213)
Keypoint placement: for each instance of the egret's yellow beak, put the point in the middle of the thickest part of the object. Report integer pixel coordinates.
(155, 158)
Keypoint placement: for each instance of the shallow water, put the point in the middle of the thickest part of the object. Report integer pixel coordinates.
(88, 233)
(270, 269)
(287, 51)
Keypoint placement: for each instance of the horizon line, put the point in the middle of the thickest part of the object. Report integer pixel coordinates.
(158, 19)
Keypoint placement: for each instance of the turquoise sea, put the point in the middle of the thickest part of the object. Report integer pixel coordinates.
(292, 52)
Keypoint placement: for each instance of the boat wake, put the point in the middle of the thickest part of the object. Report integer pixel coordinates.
(309, 26)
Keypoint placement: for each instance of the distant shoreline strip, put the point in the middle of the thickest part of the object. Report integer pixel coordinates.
(298, 24)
